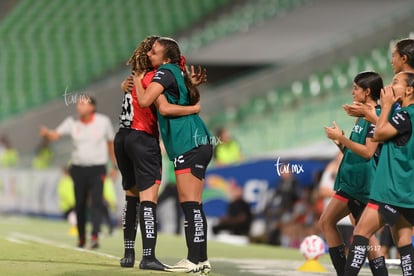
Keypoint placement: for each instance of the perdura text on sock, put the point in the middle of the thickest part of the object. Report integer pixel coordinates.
(149, 223)
(359, 256)
(199, 228)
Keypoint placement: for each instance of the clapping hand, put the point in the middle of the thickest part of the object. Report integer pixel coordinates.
(334, 132)
(388, 96)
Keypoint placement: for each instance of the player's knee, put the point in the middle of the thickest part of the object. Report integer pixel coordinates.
(325, 223)
(322, 221)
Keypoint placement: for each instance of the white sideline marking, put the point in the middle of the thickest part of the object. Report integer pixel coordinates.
(59, 245)
(10, 239)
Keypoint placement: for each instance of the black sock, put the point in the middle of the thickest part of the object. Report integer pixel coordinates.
(203, 246)
(338, 258)
(193, 229)
(356, 256)
(407, 258)
(129, 223)
(148, 225)
(186, 231)
(378, 267)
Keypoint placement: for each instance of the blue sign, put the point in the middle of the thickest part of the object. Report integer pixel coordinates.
(258, 179)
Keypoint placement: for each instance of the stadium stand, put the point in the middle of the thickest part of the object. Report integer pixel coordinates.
(287, 117)
(51, 46)
(239, 19)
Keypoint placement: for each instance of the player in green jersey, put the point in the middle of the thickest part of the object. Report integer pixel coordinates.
(392, 194)
(355, 174)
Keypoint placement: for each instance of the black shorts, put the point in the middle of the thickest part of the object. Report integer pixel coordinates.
(355, 206)
(124, 162)
(386, 237)
(144, 151)
(194, 161)
(390, 213)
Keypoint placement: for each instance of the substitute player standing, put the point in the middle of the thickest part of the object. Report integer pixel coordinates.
(391, 201)
(355, 174)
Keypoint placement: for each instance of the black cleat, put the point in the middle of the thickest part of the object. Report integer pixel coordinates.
(153, 264)
(127, 261)
(94, 244)
(81, 243)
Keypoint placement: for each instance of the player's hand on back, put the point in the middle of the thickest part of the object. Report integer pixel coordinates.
(197, 108)
(128, 82)
(198, 76)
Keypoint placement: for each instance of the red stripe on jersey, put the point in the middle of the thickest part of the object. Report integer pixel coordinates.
(373, 206)
(158, 182)
(341, 198)
(188, 170)
(146, 80)
(145, 119)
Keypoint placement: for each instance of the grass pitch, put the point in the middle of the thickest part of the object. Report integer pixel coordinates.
(43, 247)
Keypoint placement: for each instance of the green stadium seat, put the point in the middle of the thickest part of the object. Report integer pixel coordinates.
(328, 82)
(291, 106)
(258, 105)
(380, 59)
(272, 98)
(354, 67)
(78, 41)
(315, 85)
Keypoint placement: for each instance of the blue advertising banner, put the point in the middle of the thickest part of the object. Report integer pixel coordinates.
(258, 179)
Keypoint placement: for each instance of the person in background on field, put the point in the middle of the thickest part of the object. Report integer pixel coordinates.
(9, 157)
(302, 223)
(92, 136)
(238, 218)
(228, 150)
(66, 196)
(109, 201)
(279, 207)
(43, 156)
